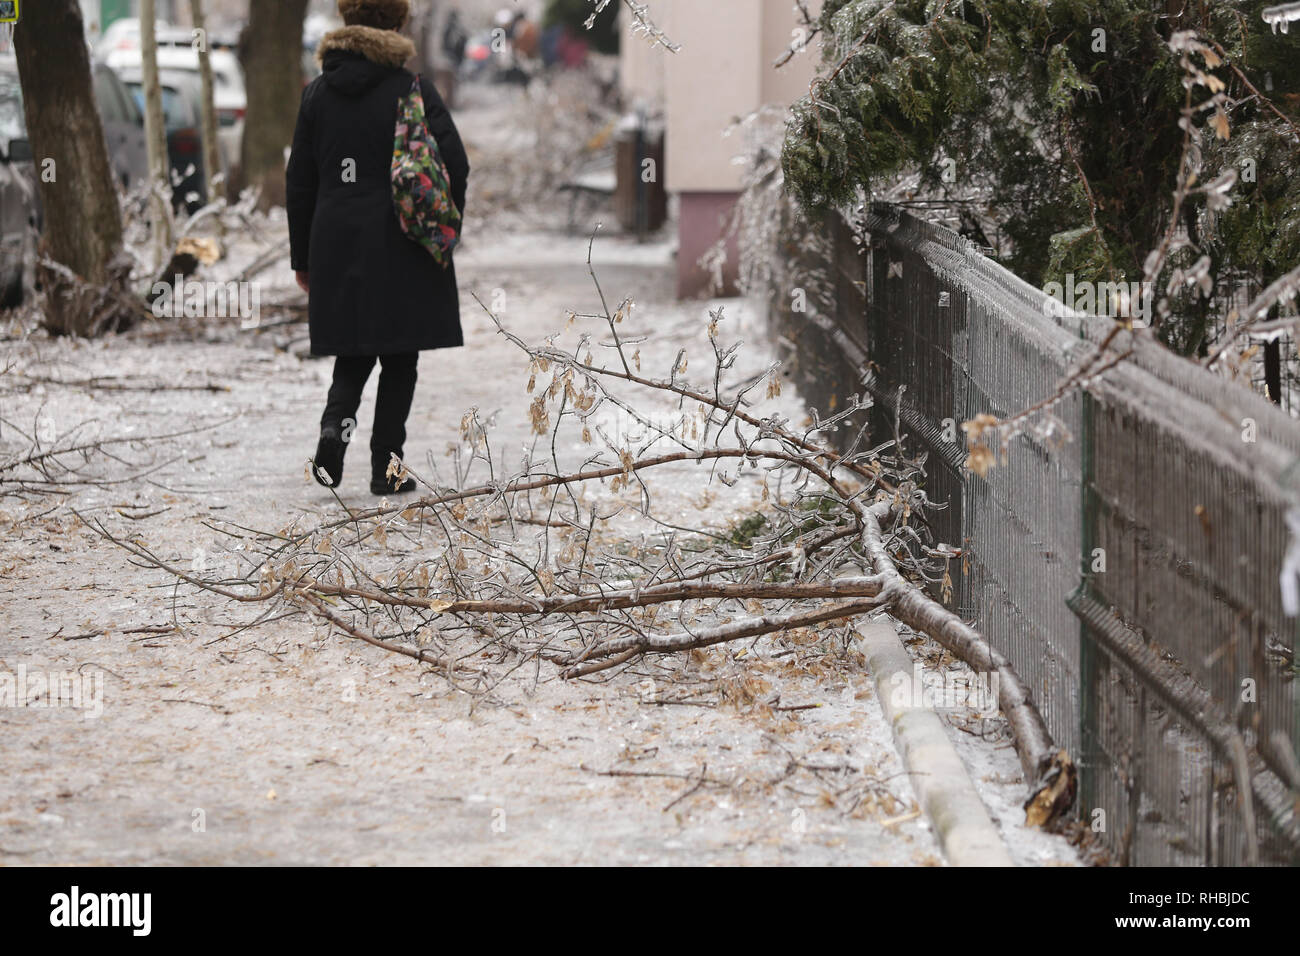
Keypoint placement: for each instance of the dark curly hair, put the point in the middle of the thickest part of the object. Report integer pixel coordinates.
(380, 14)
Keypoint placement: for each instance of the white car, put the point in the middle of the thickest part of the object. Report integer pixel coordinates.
(228, 94)
(120, 35)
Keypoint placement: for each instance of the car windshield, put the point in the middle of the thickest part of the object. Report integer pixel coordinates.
(226, 73)
(176, 107)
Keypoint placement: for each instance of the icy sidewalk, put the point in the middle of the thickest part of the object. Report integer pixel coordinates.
(286, 744)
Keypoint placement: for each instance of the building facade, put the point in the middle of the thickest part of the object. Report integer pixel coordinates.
(724, 70)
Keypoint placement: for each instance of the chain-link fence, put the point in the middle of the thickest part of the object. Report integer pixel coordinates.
(1125, 553)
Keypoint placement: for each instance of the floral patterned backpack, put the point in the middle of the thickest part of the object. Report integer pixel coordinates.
(421, 184)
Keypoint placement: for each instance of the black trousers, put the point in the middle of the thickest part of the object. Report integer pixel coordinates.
(396, 390)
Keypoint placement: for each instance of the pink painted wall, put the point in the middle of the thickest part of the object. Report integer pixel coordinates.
(701, 218)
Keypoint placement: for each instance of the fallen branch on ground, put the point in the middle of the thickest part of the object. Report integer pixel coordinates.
(537, 568)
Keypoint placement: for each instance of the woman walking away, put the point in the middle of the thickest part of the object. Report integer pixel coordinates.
(380, 286)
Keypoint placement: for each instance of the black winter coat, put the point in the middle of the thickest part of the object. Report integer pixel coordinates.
(373, 290)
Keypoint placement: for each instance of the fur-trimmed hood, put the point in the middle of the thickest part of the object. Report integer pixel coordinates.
(382, 47)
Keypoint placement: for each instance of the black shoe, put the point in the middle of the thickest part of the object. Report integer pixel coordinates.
(329, 458)
(385, 486)
(381, 484)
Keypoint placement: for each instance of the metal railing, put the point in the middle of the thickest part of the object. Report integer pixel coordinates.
(1127, 560)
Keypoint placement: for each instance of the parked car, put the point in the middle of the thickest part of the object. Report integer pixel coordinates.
(180, 103)
(121, 34)
(124, 34)
(182, 37)
(19, 208)
(123, 127)
(123, 123)
(229, 97)
(122, 120)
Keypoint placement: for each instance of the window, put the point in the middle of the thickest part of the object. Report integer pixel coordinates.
(176, 109)
(109, 100)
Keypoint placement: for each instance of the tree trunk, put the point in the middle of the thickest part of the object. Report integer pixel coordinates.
(416, 30)
(155, 134)
(215, 179)
(272, 53)
(86, 275)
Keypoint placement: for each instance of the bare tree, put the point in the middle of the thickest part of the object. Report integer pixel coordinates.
(82, 266)
(272, 54)
(155, 133)
(215, 178)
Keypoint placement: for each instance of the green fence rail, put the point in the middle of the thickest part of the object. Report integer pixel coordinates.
(1126, 559)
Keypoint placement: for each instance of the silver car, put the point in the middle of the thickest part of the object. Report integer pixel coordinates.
(20, 214)
(19, 208)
